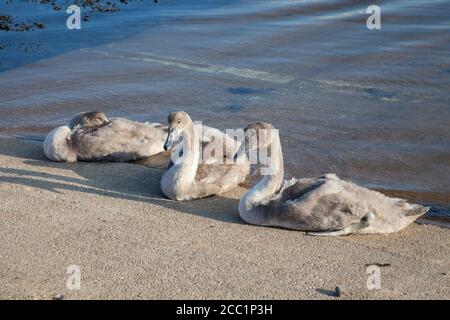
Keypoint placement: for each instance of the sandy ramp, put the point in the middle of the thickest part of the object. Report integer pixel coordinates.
(129, 242)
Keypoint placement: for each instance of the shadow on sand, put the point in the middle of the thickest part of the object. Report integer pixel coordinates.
(116, 180)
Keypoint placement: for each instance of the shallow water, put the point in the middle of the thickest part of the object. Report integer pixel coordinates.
(372, 106)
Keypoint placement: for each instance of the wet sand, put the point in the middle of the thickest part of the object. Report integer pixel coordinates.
(129, 242)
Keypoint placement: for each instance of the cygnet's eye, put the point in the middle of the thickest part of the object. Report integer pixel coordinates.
(179, 121)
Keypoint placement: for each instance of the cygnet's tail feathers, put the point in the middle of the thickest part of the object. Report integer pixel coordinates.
(416, 210)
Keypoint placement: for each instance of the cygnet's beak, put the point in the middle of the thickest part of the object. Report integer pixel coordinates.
(169, 140)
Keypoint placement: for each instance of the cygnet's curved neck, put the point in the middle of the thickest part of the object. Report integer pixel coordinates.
(186, 167)
(268, 187)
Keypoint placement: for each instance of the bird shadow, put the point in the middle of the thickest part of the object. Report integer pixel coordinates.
(116, 180)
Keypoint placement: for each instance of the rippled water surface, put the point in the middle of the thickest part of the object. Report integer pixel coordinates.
(371, 105)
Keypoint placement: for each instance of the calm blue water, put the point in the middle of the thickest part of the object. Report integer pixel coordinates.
(371, 105)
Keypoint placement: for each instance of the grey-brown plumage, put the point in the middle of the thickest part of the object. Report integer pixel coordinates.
(89, 120)
(92, 136)
(189, 179)
(326, 205)
(120, 140)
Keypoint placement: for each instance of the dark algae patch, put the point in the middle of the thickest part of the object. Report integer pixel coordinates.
(7, 23)
(10, 23)
(44, 34)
